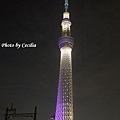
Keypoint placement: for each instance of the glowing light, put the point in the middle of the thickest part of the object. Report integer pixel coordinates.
(66, 15)
(66, 24)
(64, 108)
(65, 50)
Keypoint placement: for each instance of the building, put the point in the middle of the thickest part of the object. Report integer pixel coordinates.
(64, 106)
(51, 117)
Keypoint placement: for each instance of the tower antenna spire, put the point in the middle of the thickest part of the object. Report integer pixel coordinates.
(66, 5)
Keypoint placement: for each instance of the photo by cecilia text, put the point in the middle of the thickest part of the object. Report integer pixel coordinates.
(18, 45)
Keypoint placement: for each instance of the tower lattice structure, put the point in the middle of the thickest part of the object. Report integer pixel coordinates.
(64, 106)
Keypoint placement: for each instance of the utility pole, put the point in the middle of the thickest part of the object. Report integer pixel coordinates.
(11, 113)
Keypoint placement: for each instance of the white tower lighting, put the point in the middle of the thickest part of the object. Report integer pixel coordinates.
(64, 106)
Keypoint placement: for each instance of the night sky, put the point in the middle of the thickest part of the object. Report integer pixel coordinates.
(29, 76)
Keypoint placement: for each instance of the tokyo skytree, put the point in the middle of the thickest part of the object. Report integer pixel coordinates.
(64, 106)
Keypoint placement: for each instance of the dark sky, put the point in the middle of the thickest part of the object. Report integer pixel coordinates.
(29, 76)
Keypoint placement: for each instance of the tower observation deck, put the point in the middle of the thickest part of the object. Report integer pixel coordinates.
(64, 106)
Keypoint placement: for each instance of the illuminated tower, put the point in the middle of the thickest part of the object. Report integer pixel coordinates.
(64, 106)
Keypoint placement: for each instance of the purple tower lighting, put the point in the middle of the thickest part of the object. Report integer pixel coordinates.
(64, 106)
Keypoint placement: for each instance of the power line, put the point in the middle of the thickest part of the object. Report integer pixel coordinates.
(11, 114)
